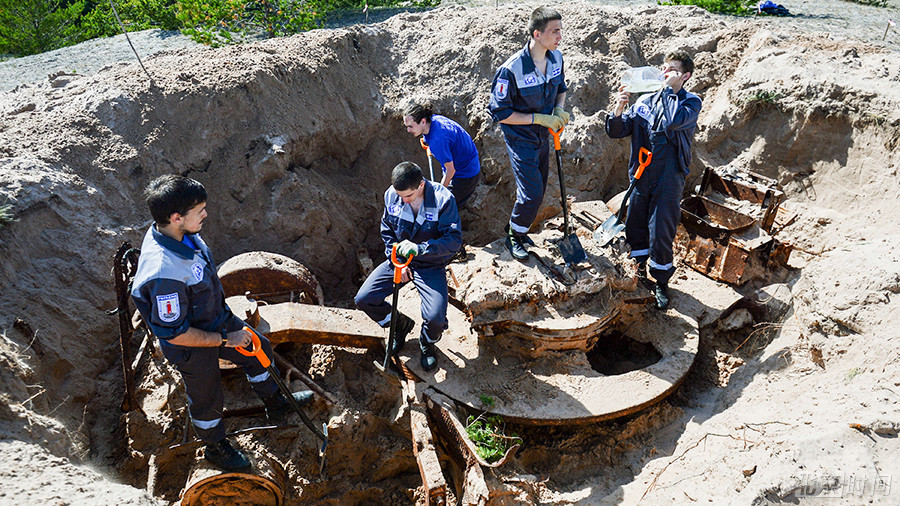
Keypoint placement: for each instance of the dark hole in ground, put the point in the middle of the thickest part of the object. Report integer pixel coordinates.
(616, 353)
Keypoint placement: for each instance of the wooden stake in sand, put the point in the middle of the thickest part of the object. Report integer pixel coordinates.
(888, 27)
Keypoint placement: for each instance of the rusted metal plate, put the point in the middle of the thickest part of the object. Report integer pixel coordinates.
(305, 323)
(270, 277)
(709, 219)
(424, 450)
(746, 186)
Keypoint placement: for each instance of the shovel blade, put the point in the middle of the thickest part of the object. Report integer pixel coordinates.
(571, 249)
(608, 230)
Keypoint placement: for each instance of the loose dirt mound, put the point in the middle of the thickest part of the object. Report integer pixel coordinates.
(294, 139)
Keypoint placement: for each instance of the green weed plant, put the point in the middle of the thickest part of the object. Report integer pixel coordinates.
(488, 434)
(733, 7)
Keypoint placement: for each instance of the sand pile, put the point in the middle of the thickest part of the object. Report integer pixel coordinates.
(294, 139)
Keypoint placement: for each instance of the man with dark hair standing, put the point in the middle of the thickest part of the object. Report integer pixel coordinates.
(451, 145)
(527, 98)
(663, 122)
(421, 218)
(179, 296)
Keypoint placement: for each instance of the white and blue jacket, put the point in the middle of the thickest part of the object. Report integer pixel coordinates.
(177, 287)
(436, 229)
(519, 87)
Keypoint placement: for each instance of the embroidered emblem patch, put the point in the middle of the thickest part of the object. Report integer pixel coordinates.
(197, 270)
(556, 71)
(395, 209)
(530, 79)
(642, 110)
(168, 308)
(501, 89)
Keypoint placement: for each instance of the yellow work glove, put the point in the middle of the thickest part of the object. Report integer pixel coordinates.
(548, 120)
(562, 114)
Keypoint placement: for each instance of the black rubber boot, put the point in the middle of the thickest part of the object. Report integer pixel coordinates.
(516, 244)
(428, 360)
(459, 256)
(224, 456)
(405, 325)
(662, 296)
(278, 407)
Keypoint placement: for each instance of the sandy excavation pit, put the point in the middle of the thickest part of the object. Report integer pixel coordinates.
(293, 139)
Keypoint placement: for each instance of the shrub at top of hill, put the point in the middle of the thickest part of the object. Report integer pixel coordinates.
(35, 26)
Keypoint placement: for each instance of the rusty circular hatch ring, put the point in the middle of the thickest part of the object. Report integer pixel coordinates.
(556, 387)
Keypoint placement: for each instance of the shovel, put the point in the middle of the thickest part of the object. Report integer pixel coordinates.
(615, 223)
(569, 246)
(266, 362)
(428, 154)
(398, 273)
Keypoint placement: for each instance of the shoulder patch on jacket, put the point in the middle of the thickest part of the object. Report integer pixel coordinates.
(168, 307)
(501, 89)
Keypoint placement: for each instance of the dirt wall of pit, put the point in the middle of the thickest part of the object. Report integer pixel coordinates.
(294, 139)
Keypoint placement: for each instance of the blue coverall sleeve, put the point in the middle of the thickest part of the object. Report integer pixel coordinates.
(164, 305)
(503, 89)
(387, 233)
(680, 114)
(447, 244)
(619, 127)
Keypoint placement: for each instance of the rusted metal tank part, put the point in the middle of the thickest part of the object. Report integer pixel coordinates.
(210, 486)
(270, 277)
(726, 230)
(304, 323)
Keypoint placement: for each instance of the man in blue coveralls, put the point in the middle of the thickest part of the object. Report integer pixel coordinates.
(451, 146)
(527, 98)
(178, 293)
(421, 218)
(663, 122)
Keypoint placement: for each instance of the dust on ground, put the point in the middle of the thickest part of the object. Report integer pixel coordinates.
(293, 139)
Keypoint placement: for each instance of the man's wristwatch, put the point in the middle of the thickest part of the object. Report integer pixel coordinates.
(224, 336)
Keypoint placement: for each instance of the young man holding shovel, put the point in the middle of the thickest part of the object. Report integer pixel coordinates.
(527, 98)
(178, 293)
(421, 218)
(450, 145)
(664, 123)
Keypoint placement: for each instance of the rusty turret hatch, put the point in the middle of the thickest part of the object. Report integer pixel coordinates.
(527, 337)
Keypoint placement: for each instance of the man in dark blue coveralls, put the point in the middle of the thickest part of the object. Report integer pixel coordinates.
(178, 293)
(527, 98)
(663, 122)
(421, 218)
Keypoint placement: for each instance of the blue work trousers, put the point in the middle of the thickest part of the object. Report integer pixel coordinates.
(654, 211)
(530, 164)
(199, 368)
(430, 282)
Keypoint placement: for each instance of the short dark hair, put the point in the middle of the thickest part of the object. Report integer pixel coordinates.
(406, 176)
(680, 55)
(418, 111)
(540, 17)
(173, 194)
